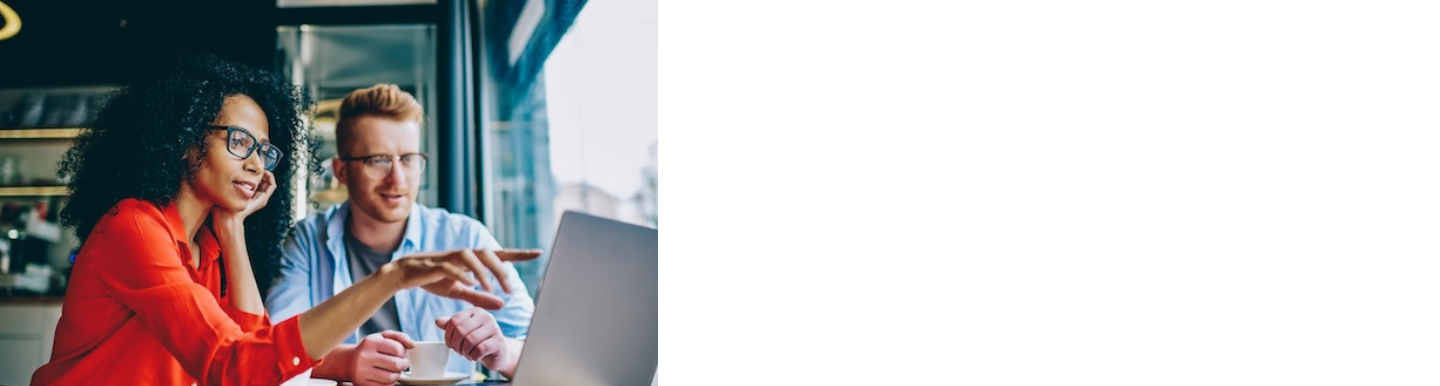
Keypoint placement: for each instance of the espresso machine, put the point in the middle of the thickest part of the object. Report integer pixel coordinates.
(28, 243)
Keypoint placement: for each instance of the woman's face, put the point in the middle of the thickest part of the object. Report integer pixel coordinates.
(224, 179)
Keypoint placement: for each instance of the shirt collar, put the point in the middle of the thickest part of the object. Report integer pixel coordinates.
(173, 221)
(335, 228)
(209, 246)
(413, 229)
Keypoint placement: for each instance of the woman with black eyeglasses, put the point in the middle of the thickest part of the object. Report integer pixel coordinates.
(171, 193)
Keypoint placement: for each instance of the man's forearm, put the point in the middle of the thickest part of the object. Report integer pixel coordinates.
(512, 349)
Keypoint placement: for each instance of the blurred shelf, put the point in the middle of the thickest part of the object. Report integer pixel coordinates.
(33, 191)
(47, 133)
(20, 296)
(330, 196)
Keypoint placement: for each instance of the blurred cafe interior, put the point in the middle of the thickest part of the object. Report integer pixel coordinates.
(533, 107)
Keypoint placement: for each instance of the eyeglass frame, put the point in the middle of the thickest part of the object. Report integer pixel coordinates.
(230, 132)
(393, 159)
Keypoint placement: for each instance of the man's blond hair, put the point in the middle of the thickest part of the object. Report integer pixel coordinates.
(381, 100)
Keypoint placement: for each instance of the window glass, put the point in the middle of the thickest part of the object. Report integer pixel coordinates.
(584, 135)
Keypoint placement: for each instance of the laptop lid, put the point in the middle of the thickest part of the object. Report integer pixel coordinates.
(597, 308)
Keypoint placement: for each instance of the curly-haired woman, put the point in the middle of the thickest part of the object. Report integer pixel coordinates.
(171, 192)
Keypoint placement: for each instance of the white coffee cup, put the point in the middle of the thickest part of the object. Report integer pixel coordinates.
(429, 359)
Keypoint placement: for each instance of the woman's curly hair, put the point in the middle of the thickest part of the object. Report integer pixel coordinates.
(136, 146)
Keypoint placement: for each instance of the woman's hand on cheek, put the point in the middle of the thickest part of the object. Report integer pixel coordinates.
(223, 216)
(261, 197)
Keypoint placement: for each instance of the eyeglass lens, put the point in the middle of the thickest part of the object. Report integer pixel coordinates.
(379, 166)
(242, 144)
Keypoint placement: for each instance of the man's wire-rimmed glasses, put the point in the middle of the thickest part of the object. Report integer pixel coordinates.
(380, 165)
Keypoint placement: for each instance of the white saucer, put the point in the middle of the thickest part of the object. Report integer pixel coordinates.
(321, 382)
(450, 377)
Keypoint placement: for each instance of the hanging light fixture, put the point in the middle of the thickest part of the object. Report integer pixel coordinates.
(11, 19)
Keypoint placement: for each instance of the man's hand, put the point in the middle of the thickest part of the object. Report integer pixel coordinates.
(380, 358)
(475, 334)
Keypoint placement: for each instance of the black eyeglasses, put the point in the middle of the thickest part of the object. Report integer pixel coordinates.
(242, 144)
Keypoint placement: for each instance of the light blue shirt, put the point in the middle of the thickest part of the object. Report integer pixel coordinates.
(314, 268)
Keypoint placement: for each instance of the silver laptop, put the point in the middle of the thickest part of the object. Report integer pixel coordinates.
(596, 311)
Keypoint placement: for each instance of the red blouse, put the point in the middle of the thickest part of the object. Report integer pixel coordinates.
(136, 312)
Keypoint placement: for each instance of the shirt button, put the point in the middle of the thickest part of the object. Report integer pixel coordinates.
(192, 383)
(293, 361)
